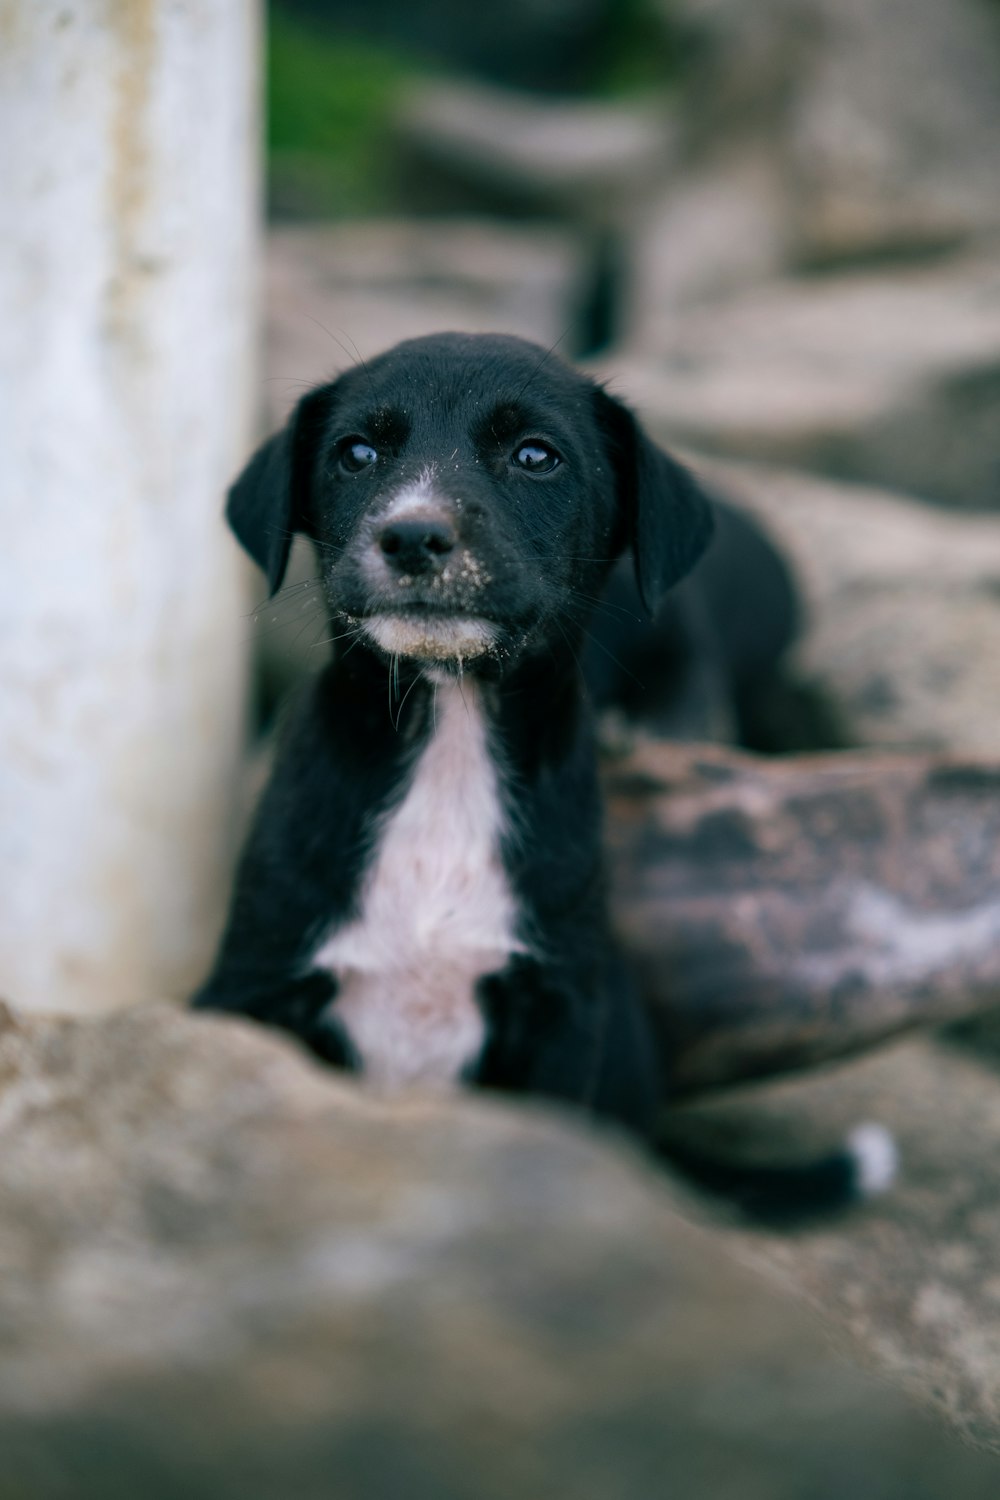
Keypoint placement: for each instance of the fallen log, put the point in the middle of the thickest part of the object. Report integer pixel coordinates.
(782, 913)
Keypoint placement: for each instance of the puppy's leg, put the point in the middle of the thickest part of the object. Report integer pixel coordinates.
(630, 1085)
(550, 1038)
(581, 1044)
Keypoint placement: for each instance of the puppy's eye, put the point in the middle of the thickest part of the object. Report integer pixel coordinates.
(536, 458)
(356, 454)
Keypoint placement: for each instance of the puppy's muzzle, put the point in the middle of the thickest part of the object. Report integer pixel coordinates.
(428, 585)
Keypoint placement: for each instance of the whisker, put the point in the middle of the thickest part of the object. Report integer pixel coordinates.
(306, 385)
(332, 336)
(285, 593)
(549, 351)
(461, 686)
(610, 654)
(352, 630)
(596, 604)
(569, 643)
(409, 690)
(357, 351)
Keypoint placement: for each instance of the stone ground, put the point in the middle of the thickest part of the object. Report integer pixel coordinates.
(912, 1281)
(225, 1272)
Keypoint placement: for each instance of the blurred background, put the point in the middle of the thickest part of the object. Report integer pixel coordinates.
(773, 228)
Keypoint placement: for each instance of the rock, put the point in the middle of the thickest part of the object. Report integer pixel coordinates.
(714, 228)
(914, 1279)
(903, 608)
(225, 1273)
(782, 912)
(585, 161)
(591, 165)
(882, 118)
(890, 378)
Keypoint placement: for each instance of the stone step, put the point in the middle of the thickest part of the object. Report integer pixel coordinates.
(887, 377)
(901, 635)
(913, 1281)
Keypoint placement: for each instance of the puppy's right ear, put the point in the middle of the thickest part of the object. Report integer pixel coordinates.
(271, 499)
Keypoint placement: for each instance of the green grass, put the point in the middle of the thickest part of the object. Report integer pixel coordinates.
(329, 104)
(644, 53)
(330, 100)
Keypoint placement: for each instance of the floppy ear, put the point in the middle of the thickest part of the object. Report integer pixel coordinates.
(270, 500)
(668, 518)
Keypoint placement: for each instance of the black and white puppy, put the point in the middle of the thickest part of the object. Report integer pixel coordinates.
(422, 895)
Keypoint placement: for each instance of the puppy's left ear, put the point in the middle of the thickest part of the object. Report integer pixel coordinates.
(271, 499)
(668, 518)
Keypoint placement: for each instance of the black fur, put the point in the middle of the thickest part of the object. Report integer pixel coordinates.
(561, 1017)
(564, 1022)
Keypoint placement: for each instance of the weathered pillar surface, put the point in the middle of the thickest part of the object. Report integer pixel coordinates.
(128, 212)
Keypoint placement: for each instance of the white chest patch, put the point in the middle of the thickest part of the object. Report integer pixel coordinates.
(437, 912)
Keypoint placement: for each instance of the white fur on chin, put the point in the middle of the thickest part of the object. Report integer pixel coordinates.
(432, 637)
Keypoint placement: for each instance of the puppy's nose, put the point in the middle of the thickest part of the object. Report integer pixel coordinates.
(415, 545)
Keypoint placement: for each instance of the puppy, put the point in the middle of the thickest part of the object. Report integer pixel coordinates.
(422, 897)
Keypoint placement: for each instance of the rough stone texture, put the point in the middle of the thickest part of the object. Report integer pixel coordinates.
(903, 608)
(915, 1280)
(714, 228)
(223, 1273)
(128, 190)
(783, 912)
(888, 377)
(882, 117)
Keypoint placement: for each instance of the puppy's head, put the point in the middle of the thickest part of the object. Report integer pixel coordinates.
(466, 496)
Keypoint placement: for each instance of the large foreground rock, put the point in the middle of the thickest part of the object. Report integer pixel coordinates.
(224, 1273)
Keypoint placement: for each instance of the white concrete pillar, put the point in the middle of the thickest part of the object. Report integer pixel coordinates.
(128, 239)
